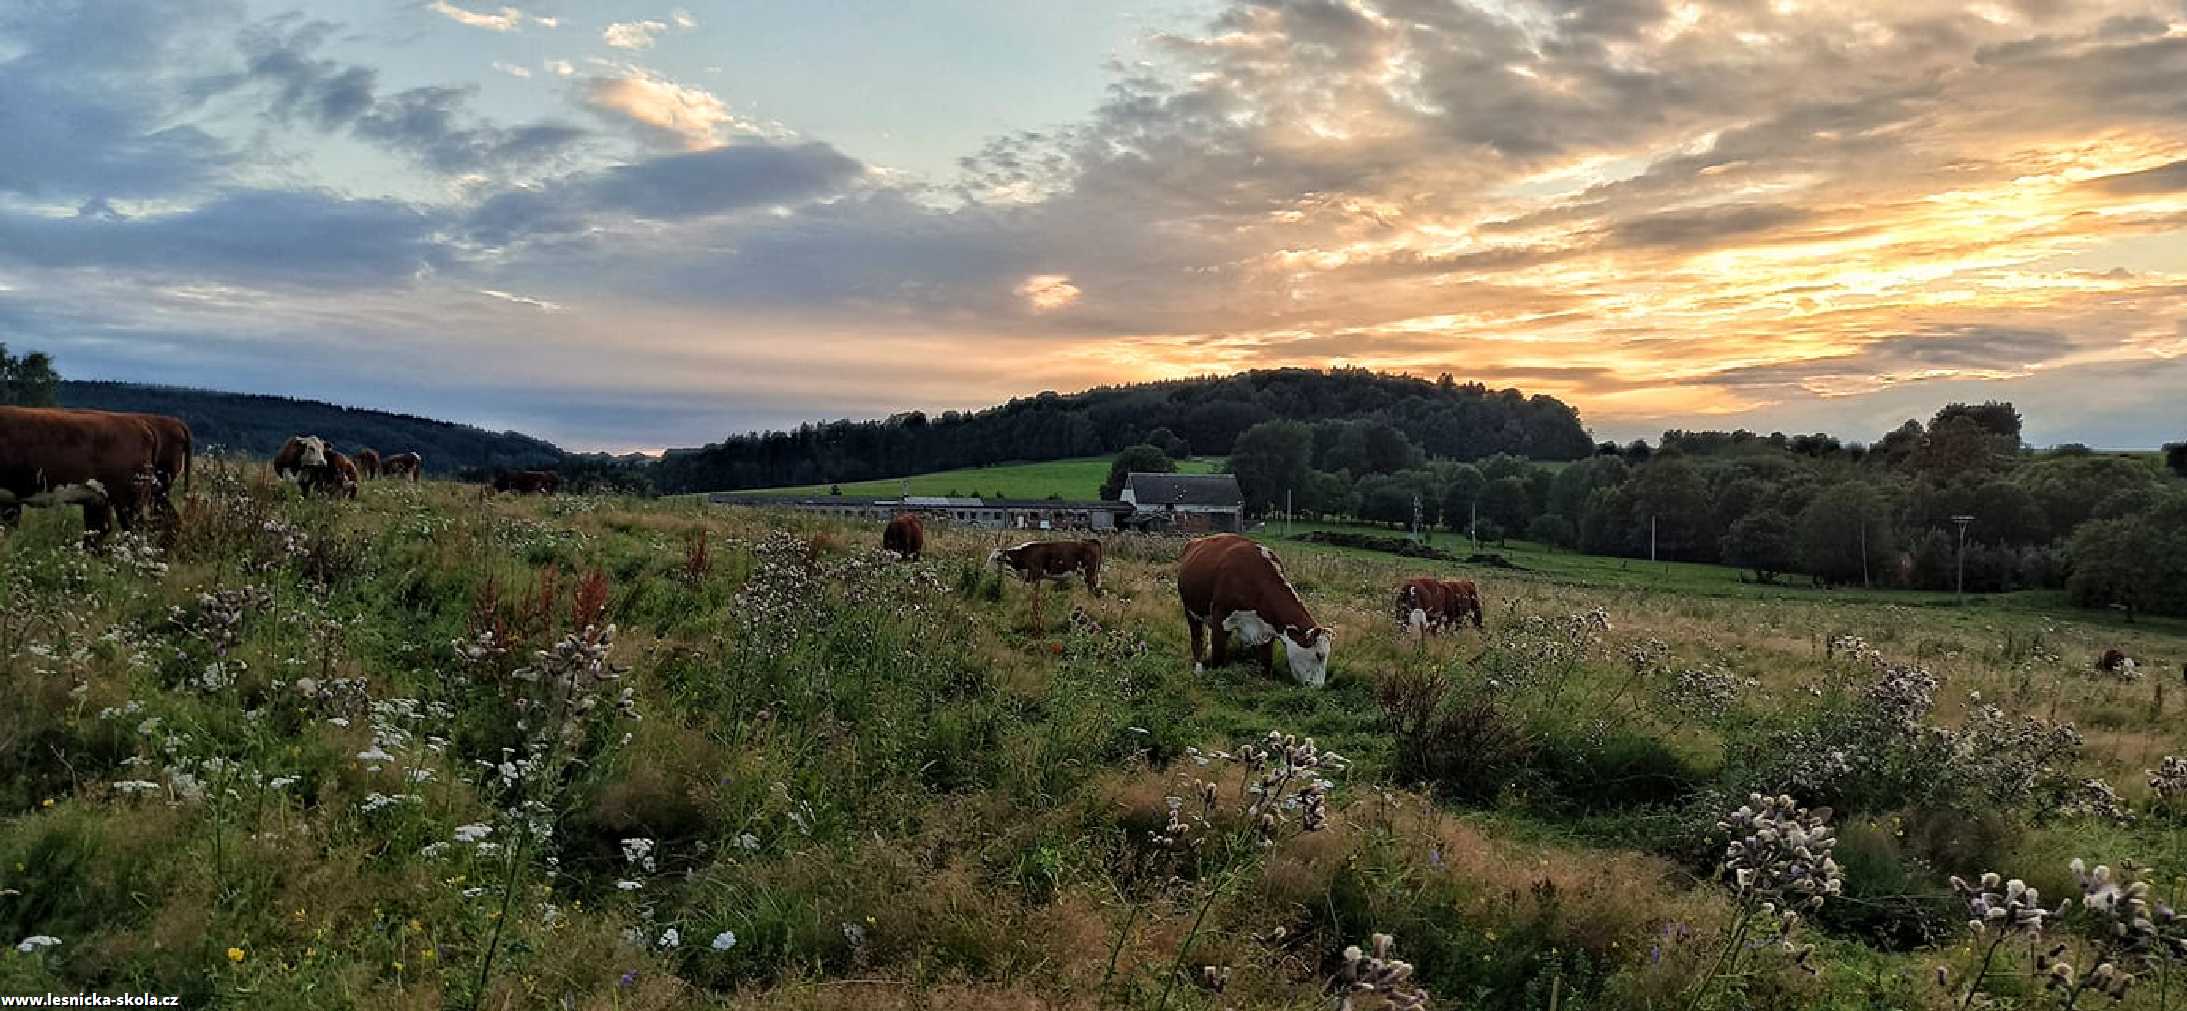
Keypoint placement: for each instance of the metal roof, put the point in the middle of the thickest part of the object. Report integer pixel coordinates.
(1185, 489)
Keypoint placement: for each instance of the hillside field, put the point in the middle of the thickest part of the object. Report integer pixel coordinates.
(384, 754)
(1078, 480)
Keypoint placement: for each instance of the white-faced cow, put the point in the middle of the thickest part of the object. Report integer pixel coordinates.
(403, 465)
(1231, 586)
(1427, 606)
(1042, 562)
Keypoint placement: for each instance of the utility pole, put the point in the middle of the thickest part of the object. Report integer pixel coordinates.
(1651, 537)
(1962, 577)
(1864, 582)
(1287, 512)
(1473, 525)
(1416, 516)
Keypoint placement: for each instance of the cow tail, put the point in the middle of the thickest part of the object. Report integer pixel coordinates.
(189, 462)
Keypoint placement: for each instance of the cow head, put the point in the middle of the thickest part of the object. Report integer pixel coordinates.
(1307, 651)
(998, 558)
(314, 451)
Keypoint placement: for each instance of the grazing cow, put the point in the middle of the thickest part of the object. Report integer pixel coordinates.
(171, 455)
(1042, 562)
(2115, 662)
(905, 535)
(107, 463)
(1231, 586)
(338, 478)
(544, 482)
(368, 463)
(1427, 606)
(300, 454)
(403, 465)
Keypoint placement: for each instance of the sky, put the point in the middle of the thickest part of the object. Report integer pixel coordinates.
(633, 225)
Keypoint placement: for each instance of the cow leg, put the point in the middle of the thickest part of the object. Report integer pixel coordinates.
(1220, 655)
(1267, 655)
(1199, 632)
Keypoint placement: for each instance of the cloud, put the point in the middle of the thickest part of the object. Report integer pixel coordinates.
(559, 68)
(512, 69)
(251, 238)
(536, 303)
(96, 106)
(2167, 178)
(683, 19)
(428, 124)
(666, 112)
(632, 34)
(1047, 292)
(508, 19)
(678, 187)
(1706, 227)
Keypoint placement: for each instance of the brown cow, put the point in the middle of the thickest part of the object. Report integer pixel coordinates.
(300, 454)
(905, 535)
(1232, 586)
(338, 478)
(1043, 562)
(107, 463)
(368, 463)
(403, 465)
(544, 482)
(172, 453)
(1427, 606)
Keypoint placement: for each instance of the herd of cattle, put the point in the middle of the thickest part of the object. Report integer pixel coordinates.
(1230, 587)
(123, 467)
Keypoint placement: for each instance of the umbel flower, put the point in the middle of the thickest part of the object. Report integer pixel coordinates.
(1374, 980)
(2005, 906)
(1780, 853)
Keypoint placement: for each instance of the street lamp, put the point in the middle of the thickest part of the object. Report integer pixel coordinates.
(1962, 577)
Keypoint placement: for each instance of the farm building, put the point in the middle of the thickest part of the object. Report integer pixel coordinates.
(991, 514)
(1185, 502)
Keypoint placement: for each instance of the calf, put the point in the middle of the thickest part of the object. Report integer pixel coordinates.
(905, 535)
(1231, 586)
(106, 463)
(1042, 562)
(368, 463)
(1426, 606)
(338, 478)
(542, 482)
(403, 465)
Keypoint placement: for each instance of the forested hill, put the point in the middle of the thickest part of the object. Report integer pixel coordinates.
(257, 425)
(1461, 421)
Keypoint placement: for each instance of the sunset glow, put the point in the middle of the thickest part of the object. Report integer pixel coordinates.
(618, 225)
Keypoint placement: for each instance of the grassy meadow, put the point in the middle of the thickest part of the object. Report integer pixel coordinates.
(1076, 479)
(385, 754)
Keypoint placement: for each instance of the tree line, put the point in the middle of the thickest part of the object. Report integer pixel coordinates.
(1206, 416)
(2109, 528)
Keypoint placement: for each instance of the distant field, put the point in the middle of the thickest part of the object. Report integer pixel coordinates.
(1072, 479)
(1688, 579)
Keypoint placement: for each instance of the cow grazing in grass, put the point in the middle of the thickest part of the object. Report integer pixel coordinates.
(172, 454)
(529, 482)
(1428, 606)
(403, 465)
(1231, 586)
(306, 460)
(301, 453)
(338, 478)
(368, 463)
(106, 463)
(1042, 562)
(905, 535)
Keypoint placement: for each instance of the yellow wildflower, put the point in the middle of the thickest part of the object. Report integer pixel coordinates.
(235, 954)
